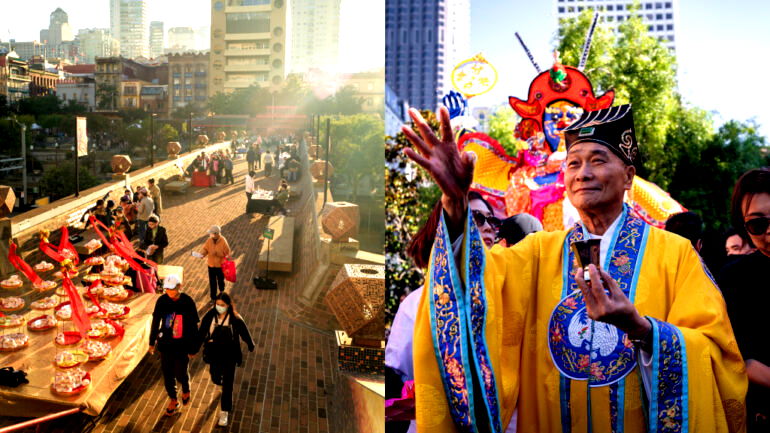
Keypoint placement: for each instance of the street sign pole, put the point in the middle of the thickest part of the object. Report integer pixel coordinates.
(24, 167)
(267, 265)
(326, 167)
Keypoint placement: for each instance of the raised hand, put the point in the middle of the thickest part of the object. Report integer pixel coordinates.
(451, 171)
(614, 307)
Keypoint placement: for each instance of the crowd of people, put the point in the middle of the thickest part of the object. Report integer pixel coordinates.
(175, 331)
(646, 301)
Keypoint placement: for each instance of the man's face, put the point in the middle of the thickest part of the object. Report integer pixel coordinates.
(595, 177)
(488, 233)
(756, 206)
(735, 245)
(214, 236)
(152, 224)
(173, 293)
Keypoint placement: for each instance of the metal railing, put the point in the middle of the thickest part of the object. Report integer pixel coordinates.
(42, 419)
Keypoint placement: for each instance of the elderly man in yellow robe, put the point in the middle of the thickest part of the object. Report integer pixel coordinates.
(637, 341)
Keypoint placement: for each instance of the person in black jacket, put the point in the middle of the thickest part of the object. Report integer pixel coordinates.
(155, 240)
(221, 330)
(174, 333)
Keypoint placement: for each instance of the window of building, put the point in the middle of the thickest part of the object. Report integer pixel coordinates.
(609, 7)
(659, 27)
(248, 22)
(650, 28)
(619, 7)
(561, 9)
(668, 5)
(580, 8)
(648, 5)
(620, 18)
(658, 5)
(669, 27)
(671, 38)
(669, 16)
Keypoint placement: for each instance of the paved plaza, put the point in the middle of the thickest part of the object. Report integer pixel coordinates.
(283, 386)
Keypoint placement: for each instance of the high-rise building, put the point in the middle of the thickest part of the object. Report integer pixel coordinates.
(59, 29)
(128, 24)
(250, 43)
(44, 36)
(424, 40)
(96, 43)
(180, 40)
(156, 39)
(27, 50)
(659, 16)
(315, 30)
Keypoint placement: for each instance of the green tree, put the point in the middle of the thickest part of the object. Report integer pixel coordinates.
(501, 126)
(40, 105)
(405, 212)
(356, 150)
(107, 97)
(642, 72)
(165, 134)
(59, 181)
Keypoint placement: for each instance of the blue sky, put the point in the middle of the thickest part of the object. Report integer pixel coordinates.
(359, 20)
(722, 52)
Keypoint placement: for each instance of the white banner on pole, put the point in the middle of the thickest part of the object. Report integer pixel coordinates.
(82, 136)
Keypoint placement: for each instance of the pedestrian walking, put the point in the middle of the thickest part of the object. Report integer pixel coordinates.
(145, 208)
(251, 157)
(258, 156)
(221, 330)
(268, 161)
(174, 334)
(250, 187)
(215, 250)
(228, 166)
(154, 191)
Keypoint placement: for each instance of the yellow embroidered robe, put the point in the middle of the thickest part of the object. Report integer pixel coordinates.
(522, 288)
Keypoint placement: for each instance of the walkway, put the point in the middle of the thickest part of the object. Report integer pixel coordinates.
(282, 386)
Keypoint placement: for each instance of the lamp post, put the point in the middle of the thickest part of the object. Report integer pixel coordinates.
(152, 140)
(77, 171)
(190, 131)
(23, 128)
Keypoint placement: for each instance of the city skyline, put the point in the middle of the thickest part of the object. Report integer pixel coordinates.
(357, 18)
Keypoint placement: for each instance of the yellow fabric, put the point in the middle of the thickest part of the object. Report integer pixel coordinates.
(524, 284)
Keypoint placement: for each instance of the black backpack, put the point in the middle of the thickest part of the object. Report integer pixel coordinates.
(11, 377)
(221, 341)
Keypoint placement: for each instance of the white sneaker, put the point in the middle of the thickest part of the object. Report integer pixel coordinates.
(222, 418)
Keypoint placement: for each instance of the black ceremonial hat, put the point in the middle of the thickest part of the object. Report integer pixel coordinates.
(612, 127)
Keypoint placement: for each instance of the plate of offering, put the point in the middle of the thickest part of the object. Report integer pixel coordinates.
(43, 266)
(104, 329)
(70, 358)
(44, 303)
(70, 382)
(13, 342)
(14, 282)
(42, 323)
(115, 293)
(44, 285)
(11, 321)
(11, 303)
(94, 261)
(96, 350)
(113, 311)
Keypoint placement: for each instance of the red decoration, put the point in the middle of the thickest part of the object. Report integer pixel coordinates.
(22, 266)
(79, 316)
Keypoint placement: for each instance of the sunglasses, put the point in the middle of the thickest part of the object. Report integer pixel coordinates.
(757, 226)
(479, 218)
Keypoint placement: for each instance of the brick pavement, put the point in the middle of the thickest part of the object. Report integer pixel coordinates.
(282, 386)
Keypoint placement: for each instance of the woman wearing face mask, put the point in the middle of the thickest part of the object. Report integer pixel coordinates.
(220, 331)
